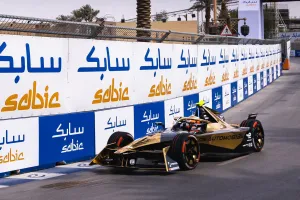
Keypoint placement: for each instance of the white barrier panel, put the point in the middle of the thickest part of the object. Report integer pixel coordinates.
(100, 74)
(33, 76)
(173, 108)
(19, 144)
(109, 121)
(156, 72)
(226, 96)
(186, 63)
(46, 76)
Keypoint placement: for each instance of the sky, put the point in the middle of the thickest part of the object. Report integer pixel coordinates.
(50, 9)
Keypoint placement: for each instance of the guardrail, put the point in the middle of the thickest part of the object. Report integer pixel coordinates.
(56, 28)
(63, 97)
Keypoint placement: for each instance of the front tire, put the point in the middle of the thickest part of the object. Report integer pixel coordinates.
(185, 150)
(257, 133)
(120, 138)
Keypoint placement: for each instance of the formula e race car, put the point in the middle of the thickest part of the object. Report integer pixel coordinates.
(180, 147)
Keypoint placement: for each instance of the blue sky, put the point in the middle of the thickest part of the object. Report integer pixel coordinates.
(117, 8)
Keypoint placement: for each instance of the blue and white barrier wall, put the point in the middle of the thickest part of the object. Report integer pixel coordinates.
(61, 99)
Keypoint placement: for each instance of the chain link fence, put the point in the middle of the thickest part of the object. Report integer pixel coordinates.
(19, 25)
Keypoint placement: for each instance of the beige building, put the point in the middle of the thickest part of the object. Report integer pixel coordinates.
(178, 26)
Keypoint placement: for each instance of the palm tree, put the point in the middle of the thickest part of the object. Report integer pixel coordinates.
(224, 13)
(85, 13)
(143, 10)
(204, 4)
(208, 6)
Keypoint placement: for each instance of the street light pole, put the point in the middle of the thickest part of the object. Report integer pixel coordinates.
(198, 20)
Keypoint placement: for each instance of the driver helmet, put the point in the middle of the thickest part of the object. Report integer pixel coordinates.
(200, 103)
(199, 110)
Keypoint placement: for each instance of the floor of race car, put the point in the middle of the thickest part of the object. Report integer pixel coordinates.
(272, 174)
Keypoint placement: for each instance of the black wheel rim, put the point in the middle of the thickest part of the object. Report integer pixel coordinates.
(259, 137)
(191, 152)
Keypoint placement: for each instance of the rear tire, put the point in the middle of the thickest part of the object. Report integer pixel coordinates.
(185, 150)
(257, 133)
(120, 138)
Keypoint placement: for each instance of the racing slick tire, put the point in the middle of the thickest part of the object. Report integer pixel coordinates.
(185, 150)
(257, 133)
(120, 138)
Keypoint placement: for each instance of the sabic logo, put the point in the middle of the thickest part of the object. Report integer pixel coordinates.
(257, 68)
(236, 73)
(245, 70)
(32, 100)
(11, 157)
(161, 89)
(210, 80)
(252, 69)
(190, 84)
(225, 76)
(111, 94)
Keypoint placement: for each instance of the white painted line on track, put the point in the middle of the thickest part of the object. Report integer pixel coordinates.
(233, 160)
(3, 186)
(36, 176)
(79, 165)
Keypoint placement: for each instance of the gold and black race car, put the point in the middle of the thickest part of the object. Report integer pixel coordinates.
(180, 147)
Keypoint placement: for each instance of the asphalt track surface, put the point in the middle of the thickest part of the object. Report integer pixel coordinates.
(272, 174)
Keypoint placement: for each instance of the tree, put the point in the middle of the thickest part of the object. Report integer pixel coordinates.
(204, 4)
(161, 15)
(85, 13)
(143, 9)
(224, 13)
(234, 13)
(208, 6)
(67, 18)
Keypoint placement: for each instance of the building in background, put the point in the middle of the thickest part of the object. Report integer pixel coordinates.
(177, 26)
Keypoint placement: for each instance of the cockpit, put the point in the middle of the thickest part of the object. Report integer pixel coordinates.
(204, 120)
(190, 124)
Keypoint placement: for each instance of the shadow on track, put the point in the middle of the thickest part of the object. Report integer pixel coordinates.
(155, 172)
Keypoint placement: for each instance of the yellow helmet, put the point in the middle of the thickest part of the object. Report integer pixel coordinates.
(200, 103)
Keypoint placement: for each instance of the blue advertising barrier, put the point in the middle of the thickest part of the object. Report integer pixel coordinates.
(66, 137)
(217, 99)
(254, 83)
(145, 116)
(189, 104)
(234, 95)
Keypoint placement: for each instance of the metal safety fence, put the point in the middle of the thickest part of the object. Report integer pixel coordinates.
(20, 25)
